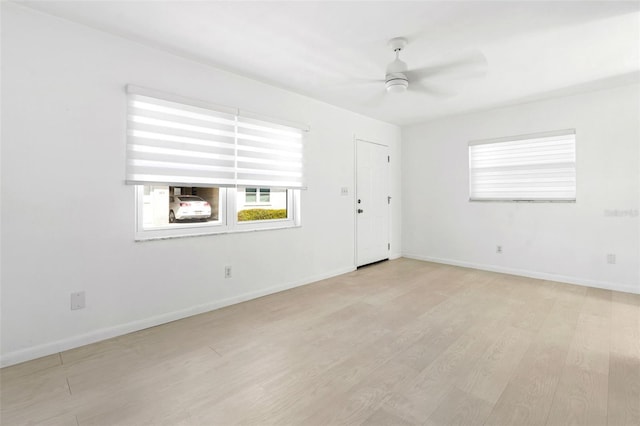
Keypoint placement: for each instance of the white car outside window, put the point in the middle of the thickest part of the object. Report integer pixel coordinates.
(188, 207)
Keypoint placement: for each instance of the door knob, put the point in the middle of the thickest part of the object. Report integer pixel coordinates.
(360, 210)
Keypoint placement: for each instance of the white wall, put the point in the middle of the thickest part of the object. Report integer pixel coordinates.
(63, 129)
(566, 242)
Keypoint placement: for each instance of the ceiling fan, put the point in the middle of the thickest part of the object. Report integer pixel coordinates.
(399, 78)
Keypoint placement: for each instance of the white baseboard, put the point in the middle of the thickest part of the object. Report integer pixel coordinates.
(72, 342)
(393, 256)
(530, 274)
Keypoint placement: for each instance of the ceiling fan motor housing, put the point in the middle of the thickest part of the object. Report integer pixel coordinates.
(396, 82)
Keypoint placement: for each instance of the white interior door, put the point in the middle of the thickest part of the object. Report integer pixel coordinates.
(372, 202)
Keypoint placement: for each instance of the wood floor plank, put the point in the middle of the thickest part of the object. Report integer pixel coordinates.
(358, 403)
(624, 391)
(493, 371)
(42, 397)
(580, 399)
(381, 417)
(306, 375)
(581, 396)
(31, 367)
(418, 397)
(528, 397)
(40, 418)
(458, 408)
(293, 401)
(25, 390)
(624, 363)
(590, 347)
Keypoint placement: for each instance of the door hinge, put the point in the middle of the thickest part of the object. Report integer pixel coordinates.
(388, 199)
(388, 158)
(388, 246)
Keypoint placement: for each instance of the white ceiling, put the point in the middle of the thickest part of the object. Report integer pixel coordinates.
(321, 48)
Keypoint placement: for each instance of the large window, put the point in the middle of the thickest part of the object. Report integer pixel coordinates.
(539, 167)
(202, 169)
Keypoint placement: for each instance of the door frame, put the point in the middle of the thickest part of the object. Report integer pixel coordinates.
(355, 196)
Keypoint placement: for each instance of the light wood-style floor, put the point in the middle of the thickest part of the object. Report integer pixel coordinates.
(399, 343)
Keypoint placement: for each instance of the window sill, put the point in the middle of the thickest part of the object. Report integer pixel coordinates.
(472, 200)
(144, 236)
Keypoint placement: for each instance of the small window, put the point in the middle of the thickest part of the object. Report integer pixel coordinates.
(265, 195)
(255, 195)
(539, 167)
(250, 195)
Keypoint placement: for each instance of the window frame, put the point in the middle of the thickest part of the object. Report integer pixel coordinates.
(227, 222)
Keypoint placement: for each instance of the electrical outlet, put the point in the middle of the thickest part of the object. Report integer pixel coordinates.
(611, 258)
(499, 249)
(344, 191)
(77, 300)
(227, 271)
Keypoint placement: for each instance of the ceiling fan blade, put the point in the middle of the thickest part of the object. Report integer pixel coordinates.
(473, 64)
(377, 99)
(368, 80)
(431, 90)
(358, 81)
(352, 83)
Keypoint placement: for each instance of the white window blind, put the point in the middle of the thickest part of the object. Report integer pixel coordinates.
(180, 143)
(269, 155)
(540, 167)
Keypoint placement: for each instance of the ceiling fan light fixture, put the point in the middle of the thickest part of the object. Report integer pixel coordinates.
(396, 83)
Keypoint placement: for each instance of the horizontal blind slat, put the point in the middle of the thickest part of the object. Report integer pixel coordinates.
(179, 109)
